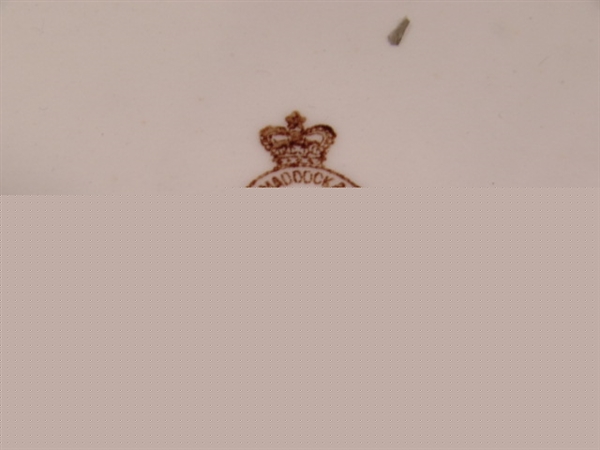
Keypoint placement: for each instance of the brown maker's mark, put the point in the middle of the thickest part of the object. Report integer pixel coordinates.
(299, 154)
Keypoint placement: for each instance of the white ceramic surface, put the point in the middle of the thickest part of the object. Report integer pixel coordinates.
(169, 97)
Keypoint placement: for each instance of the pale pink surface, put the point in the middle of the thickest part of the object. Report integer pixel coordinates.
(169, 97)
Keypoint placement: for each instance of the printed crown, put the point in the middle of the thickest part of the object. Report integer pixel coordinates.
(296, 146)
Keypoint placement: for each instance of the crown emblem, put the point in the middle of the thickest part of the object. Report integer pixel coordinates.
(296, 146)
(299, 154)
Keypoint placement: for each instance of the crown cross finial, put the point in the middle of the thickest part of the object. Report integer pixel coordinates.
(295, 121)
(296, 146)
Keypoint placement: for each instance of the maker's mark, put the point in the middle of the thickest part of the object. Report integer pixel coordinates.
(299, 154)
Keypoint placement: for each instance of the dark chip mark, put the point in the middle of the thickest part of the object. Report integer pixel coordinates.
(395, 36)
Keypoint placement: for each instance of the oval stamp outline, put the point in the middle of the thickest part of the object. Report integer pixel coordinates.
(281, 181)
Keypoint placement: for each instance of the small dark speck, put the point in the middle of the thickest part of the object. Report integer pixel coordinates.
(395, 36)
